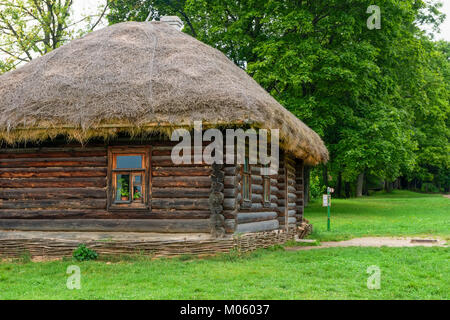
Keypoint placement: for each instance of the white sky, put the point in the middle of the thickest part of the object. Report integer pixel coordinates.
(90, 6)
(445, 27)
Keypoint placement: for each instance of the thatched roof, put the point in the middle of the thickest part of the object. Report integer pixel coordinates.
(140, 76)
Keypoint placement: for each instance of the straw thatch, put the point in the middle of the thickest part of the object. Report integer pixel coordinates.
(140, 77)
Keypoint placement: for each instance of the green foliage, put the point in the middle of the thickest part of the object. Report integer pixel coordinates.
(25, 257)
(31, 28)
(83, 253)
(124, 187)
(316, 186)
(379, 98)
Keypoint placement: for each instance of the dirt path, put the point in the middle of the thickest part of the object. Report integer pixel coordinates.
(447, 196)
(376, 242)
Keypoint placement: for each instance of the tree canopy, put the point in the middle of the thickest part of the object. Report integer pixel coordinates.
(378, 97)
(31, 28)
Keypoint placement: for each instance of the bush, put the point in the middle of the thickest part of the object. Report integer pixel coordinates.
(83, 253)
(429, 187)
(316, 186)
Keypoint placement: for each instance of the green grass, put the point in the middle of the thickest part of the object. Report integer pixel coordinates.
(400, 213)
(333, 273)
(339, 273)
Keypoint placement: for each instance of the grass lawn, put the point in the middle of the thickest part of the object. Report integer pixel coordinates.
(400, 213)
(334, 273)
(338, 273)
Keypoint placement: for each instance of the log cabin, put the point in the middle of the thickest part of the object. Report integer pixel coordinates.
(86, 149)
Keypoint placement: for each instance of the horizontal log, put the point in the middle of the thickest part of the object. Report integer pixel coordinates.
(199, 182)
(257, 188)
(229, 203)
(172, 192)
(73, 172)
(102, 214)
(53, 183)
(257, 226)
(166, 161)
(291, 220)
(180, 171)
(180, 204)
(15, 154)
(257, 179)
(231, 171)
(53, 193)
(5, 152)
(230, 192)
(168, 152)
(244, 217)
(230, 181)
(229, 214)
(109, 225)
(54, 204)
(282, 190)
(54, 162)
(178, 214)
(55, 214)
(281, 180)
(230, 225)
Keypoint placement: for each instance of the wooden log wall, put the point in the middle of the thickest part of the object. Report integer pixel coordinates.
(216, 197)
(181, 191)
(40, 187)
(53, 183)
(287, 195)
(299, 191)
(232, 196)
(258, 216)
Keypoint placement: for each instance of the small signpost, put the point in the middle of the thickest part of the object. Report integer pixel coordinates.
(326, 202)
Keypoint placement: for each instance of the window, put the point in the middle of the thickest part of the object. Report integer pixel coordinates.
(128, 177)
(246, 181)
(266, 189)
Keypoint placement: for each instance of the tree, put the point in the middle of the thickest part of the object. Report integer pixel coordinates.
(362, 90)
(30, 28)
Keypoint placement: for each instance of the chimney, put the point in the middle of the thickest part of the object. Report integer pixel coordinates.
(174, 21)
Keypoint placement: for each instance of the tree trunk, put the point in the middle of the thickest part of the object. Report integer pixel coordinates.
(387, 186)
(339, 185)
(347, 189)
(359, 185)
(365, 186)
(325, 177)
(306, 171)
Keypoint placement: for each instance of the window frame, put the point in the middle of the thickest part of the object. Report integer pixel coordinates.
(266, 192)
(246, 203)
(113, 152)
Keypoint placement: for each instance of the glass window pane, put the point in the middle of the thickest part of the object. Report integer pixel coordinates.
(129, 162)
(137, 193)
(137, 180)
(123, 187)
(137, 188)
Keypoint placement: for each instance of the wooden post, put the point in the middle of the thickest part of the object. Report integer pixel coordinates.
(217, 220)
